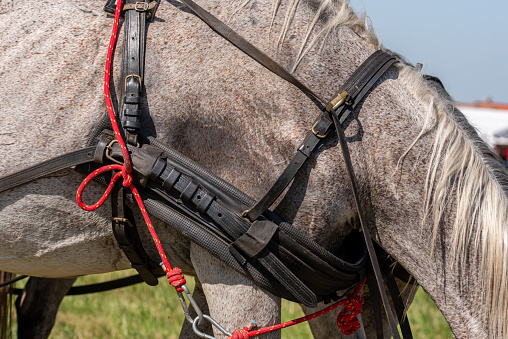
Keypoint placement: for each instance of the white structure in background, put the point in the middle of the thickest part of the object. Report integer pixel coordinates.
(490, 118)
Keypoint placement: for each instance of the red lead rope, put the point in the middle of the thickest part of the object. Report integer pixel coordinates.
(347, 319)
(175, 276)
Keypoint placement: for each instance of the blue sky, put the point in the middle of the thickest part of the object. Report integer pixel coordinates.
(464, 43)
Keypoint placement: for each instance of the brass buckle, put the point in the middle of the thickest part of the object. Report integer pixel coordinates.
(132, 76)
(316, 133)
(109, 148)
(141, 9)
(338, 101)
(125, 220)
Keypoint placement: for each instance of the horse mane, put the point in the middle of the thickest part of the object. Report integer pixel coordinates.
(330, 15)
(463, 175)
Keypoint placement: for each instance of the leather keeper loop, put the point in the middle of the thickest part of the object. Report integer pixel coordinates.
(189, 191)
(100, 150)
(157, 169)
(131, 99)
(131, 124)
(131, 112)
(204, 202)
(171, 180)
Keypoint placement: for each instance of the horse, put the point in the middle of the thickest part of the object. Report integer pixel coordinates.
(434, 196)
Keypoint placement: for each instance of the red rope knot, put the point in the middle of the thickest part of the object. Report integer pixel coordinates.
(347, 319)
(127, 177)
(241, 333)
(176, 278)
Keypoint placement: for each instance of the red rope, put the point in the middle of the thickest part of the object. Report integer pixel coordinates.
(347, 319)
(175, 276)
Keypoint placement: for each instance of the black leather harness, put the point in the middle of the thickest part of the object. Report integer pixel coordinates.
(243, 233)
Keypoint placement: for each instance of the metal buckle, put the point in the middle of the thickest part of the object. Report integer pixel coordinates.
(338, 101)
(141, 9)
(316, 133)
(132, 76)
(109, 148)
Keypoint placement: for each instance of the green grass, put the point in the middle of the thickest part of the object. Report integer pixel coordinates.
(141, 311)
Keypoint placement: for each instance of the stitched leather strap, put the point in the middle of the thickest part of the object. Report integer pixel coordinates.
(45, 168)
(134, 51)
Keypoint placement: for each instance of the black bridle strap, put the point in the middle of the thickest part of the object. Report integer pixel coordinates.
(353, 91)
(366, 233)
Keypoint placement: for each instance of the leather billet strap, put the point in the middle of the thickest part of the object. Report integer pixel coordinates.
(127, 237)
(133, 69)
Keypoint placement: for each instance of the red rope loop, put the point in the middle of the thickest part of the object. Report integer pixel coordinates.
(176, 278)
(90, 177)
(240, 334)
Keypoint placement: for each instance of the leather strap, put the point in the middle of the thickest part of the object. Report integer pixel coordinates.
(67, 160)
(126, 234)
(362, 81)
(245, 46)
(366, 233)
(133, 60)
(304, 151)
(357, 86)
(375, 298)
(393, 289)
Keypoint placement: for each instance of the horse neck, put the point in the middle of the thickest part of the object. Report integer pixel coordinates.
(435, 198)
(434, 194)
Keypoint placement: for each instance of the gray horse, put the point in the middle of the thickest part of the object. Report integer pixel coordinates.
(433, 193)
